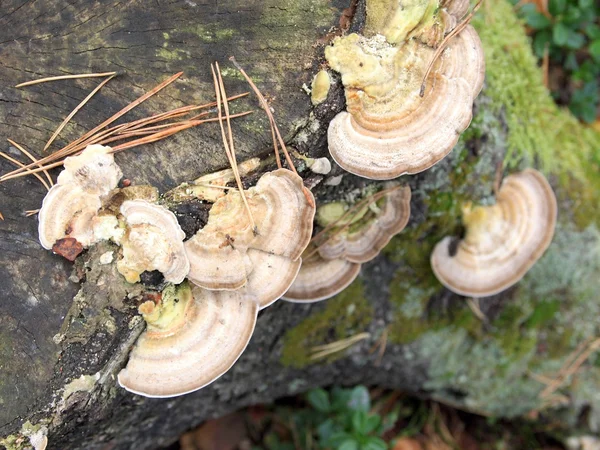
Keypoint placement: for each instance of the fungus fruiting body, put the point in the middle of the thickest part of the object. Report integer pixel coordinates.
(320, 87)
(153, 241)
(70, 207)
(236, 250)
(401, 119)
(320, 279)
(363, 240)
(350, 237)
(502, 241)
(193, 337)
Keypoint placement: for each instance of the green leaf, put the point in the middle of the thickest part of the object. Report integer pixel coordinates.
(585, 4)
(374, 443)
(557, 7)
(359, 399)
(364, 423)
(319, 399)
(593, 31)
(560, 34)
(540, 41)
(349, 444)
(594, 49)
(537, 20)
(575, 40)
(326, 429)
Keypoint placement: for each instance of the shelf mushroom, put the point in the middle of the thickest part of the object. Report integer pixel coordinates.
(262, 253)
(70, 207)
(502, 241)
(362, 241)
(153, 241)
(350, 238)
(193, 337)
(392, 126)
(320, 279)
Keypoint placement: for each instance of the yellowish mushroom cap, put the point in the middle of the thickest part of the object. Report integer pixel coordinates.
(283, 215)
(389, 129)
(193, 337)
(502, 241)
(320, 279)
(363, 240)
(153, 241)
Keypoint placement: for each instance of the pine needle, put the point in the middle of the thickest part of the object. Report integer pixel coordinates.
(73, 147)
(77, 108)
(65, 77)
(29, 171)
(461, 26)
(229, 149)
(274, 128)
(32, 158)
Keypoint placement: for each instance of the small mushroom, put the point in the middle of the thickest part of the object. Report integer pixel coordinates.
(153, 241)
(362, 240)
(67, 211)
(94, 170)
(282, 216)
(502, 241)
(320, 87)
(320, 279)
(193, 337)
(389, 129)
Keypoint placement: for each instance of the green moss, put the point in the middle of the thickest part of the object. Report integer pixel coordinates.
(344, 315)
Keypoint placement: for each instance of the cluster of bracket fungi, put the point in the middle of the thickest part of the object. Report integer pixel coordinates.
(410, 82)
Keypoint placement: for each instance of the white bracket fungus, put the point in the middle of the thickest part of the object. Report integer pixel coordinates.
(502, 241)
(193, 337)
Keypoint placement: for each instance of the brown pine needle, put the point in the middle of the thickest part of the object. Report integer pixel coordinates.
(322, 351)
(1, 216)
(151, 138)
(571, 369)
(267, 109)
(77, 108)
(170, 131)
(32, 158)
(229, 149)
(20, 164)
(461, 26)
(31, 212)
(66, 77)
(73, 146)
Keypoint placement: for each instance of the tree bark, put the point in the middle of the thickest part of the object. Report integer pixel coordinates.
(54, 331)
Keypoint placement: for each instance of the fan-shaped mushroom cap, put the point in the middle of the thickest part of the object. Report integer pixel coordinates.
(67, 211)
(94, 170)
(502, 241)
(193, 337)
(389, 129)
(271, 276)
(153, 241)
(361, 242)
(320, 279)
(283, 216)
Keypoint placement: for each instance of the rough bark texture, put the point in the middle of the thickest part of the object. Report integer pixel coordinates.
(54, 331)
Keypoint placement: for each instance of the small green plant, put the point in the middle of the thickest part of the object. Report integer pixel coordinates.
(340, 419)
(570, 31)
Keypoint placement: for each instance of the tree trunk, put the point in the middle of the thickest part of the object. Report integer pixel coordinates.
(62, 343)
